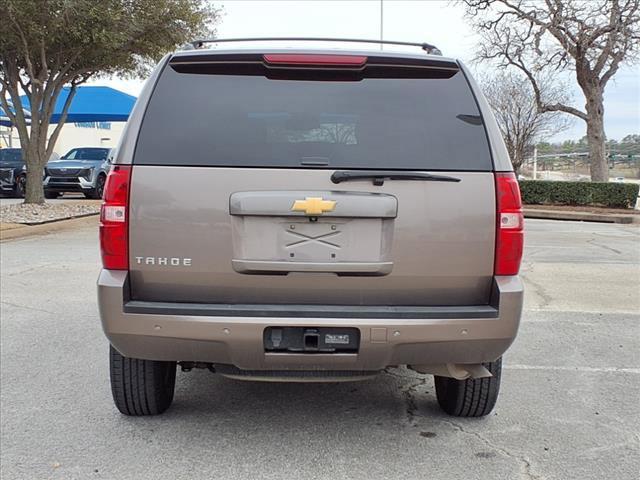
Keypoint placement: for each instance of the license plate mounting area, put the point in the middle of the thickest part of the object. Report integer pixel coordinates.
(311, 339)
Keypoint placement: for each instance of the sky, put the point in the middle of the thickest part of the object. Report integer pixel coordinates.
(433, 21)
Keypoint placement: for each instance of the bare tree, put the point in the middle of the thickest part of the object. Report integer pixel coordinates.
(591, 38)
(514, 104)
(47, 44)
(344, 133)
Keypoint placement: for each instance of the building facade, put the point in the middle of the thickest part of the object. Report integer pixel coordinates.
(84, 134)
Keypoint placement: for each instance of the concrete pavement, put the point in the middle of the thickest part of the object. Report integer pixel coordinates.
(568, 407)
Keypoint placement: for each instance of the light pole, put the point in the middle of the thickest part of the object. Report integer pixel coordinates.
(381, 22)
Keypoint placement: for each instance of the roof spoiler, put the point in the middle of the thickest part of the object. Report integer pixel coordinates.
(200, 43)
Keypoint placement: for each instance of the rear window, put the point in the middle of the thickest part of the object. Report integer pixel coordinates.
(372, 123)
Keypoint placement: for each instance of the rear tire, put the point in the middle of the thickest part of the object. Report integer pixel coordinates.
(470, 398)
(141, 387)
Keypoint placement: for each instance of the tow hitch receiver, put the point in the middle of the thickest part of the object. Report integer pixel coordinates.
(311, 340)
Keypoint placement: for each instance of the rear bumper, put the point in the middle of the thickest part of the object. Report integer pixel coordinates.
(234, 336)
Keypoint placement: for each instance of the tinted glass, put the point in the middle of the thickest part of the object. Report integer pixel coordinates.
(253, 121)
(87, 154)
(13, 155)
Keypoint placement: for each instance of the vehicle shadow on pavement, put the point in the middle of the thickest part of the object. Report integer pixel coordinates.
(396, 395)
(368, 429)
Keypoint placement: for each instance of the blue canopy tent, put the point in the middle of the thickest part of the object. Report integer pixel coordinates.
(4, 120)
(89, 104)
(92, 104)
(7, 135)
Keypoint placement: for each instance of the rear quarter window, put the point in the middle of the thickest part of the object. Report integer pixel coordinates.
(204, 119)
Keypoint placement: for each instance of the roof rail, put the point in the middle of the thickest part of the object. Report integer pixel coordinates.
(196, 44)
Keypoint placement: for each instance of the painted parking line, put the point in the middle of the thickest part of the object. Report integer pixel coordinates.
(564, 368)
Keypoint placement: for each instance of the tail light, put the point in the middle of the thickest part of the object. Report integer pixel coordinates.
(114, 221)
(510, 225)
(315, 60)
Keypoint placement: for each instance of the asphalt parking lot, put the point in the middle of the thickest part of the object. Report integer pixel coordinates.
(568, 407)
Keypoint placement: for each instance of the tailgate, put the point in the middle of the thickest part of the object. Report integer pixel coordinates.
(433, 246)
(232, 198)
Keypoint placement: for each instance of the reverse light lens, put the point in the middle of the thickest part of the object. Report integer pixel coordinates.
(114, 225)
(114, 214)
(511, 220)
(510, 225)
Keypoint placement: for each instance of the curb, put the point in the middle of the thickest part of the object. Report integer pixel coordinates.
(581, 216)
(49, 227)
(56, 220)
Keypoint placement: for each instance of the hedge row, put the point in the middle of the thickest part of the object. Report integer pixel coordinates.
(613, 195)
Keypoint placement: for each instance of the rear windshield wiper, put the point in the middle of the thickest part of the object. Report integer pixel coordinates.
(379, 176)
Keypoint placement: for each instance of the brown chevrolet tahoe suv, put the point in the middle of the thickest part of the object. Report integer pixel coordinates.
(310, 214)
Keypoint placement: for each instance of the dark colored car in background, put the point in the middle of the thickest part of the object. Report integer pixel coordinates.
(12, 171)
(79, 170)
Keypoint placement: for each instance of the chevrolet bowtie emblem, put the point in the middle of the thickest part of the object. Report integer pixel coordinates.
(313, 206)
